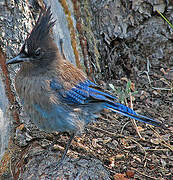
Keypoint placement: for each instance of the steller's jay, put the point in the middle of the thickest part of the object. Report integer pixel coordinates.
(57, 95)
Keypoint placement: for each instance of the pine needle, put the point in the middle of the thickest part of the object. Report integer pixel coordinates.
(165, 18)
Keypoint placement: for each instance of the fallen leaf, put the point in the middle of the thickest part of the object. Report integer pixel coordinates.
(140, 129)
(132, 86)
(119, 176)
(130, 173)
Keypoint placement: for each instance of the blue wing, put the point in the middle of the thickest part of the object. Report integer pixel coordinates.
(83, 93)
(87, 92)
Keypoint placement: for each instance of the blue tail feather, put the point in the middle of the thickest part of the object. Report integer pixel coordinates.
(126, 111)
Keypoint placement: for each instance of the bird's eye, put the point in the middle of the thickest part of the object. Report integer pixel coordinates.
(37, 52)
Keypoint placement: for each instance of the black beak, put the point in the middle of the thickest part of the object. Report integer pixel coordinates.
(19, 58)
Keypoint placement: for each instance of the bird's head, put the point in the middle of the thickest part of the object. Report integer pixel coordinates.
(39, 47)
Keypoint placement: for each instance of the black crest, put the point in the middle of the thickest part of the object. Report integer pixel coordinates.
(41, 30)
(43, 25)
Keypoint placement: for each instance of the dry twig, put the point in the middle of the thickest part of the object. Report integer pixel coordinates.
(144, 174)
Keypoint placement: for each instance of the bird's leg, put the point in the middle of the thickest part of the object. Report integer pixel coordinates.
(67, 147)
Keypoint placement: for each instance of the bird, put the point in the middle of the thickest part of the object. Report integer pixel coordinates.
(58, 96)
